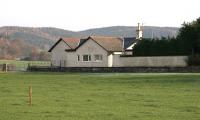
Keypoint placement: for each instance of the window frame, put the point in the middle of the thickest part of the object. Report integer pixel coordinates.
(89, 59)
(78, 58)
(99, 56)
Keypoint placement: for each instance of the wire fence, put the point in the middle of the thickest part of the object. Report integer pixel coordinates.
(14, 65)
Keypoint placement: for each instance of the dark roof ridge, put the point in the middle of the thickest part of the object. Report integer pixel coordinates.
(61, 39)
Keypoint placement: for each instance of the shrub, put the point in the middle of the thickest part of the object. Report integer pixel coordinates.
(194, 60)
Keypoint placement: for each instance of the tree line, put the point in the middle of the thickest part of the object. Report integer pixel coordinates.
(158, 47)
(187, 42)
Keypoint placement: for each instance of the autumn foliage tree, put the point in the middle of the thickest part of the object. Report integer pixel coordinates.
(19, 49)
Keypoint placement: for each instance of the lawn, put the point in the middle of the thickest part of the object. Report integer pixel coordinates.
(81, 96)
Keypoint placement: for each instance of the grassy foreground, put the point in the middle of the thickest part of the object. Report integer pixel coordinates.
(59, 96)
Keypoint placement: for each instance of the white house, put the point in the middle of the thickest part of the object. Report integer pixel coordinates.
(94, 51)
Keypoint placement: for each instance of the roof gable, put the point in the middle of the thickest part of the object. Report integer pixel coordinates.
(57, 44)
(90, 44)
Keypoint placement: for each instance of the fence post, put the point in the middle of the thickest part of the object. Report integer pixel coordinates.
(5, 67)
(29, 66)
(30, 95)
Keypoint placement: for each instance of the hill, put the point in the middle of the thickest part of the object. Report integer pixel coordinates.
(127, 31)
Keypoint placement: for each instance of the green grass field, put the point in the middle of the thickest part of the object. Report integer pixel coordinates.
(81, 96)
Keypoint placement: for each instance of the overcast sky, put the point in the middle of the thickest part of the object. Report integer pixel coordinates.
(84, 14)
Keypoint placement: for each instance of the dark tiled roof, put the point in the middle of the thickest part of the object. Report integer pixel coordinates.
(82, 41)
(129, 41)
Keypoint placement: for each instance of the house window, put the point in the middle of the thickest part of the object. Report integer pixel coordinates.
(78, 57)
(98, 58)
(86, 57)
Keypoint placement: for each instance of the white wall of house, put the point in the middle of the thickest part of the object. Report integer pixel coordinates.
(58, 54)
(88, 48)
(110, 60)
(160, 61)
(70, 59)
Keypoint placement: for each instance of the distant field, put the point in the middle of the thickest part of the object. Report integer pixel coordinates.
(81, 96)
(21, 65)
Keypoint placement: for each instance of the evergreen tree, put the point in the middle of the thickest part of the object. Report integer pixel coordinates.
(189, 37)
(186, 43)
